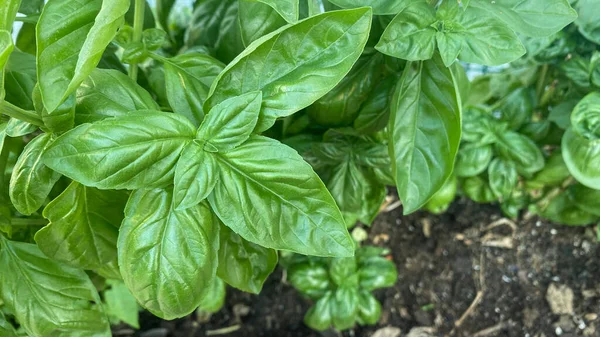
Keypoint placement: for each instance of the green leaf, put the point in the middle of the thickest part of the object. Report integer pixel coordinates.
(167, 257)
(230, 123)
(62, 118)
(83, 228)
(582, 157)
(585, 117)
(288, 9)
(473, 160)
(215, 296)
(369, 309)
(478, 190)
(485, 39)
(6, 329)
(587, 20)
(121, 306)
(340, 106)
(293, 212)
(138, 150)
(282, 78)
(425, 131)
(530, 17)
(243, 264)
(527, 157)
(374, 114)
(410, 35)
(31, 180)
(310, 279)
(20, 79)
(503, 177)
(577, 69)
(380, 7)
(154, 38)
(440, 201)
(318, 317)
(518, 108)
(19, 128)
(450, 46)
(561, 113)
(586, 199)
(196, 175)
(188, 78)
(206, 21)
(71, 37)
(553, 174)
(109, 93)
(343, 271)
(49, 298)
(8, 12)
(562, 209)
(257, 20)
(376, 272)
(163, 12)
(6, 47)
(344, 307)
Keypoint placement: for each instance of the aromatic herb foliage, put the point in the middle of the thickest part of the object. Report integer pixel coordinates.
(177, 153)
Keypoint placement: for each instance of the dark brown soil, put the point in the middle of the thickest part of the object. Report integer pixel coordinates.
(439, 279)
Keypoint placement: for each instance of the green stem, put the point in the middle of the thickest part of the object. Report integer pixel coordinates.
(539, 90)
(28, 222)
(28, 19)
(14, 111)
(138, 27)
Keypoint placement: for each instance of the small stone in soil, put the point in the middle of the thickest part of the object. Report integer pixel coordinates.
(560, 299)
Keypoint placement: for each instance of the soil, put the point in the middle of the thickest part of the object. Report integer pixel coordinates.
(467, 272)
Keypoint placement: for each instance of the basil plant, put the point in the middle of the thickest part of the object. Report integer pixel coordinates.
(178, 153)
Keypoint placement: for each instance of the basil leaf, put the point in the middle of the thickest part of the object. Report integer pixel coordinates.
(449, 46)
(582, 157)
(440, 201)
(49, 298)
(425, 131)
(243, 264)
(369, 309)
(62, 118)
(19, 128)
(285, 89)
(31, 180)
(288, 9)
(564, 210)
(587, 21)
(312, 224)
(164, 9)
(71, 36)
(138, 150)
(561, 113)
(258, 19)
(343, 271)
(503, 177)
(8, 12)
(310, 279)
(473, 160)
(230, 123)
(586, 199)
(121, 306)
(196, 175)
(518, 108)
(344, 307)
(206, 22)
(6, 328)
(530, 17)
(20, 79)
(108, 93)
(374, 114)
(215, 296)
(380, 7)
(553, 174)
(377, 272)
(523, 151)
(410, 35)
(188, 78)
(6, 47)
(178, 247)
(478, 190)
(318, 317)
(83, 226)
(585, 117)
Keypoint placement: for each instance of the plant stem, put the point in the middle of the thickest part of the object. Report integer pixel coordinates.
(138, 27)
(28, 19)
(14, 111)
(539, 90)
(28, 222)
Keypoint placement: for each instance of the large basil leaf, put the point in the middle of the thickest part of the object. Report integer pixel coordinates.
(503, 177)
(425, 131)
(410, 35)
(586, 198)
(530, 17)
(258, 19)
(71, 36)
(292, 212)
(49, 298)
(31, 180)
(168, 258)
(587, 19)
(231, 122)
(374, 114)
(196, 175)
(380, 7)
(188, 78)
(108, 93)
(564, 210)
(138, 150)
(522, 150)
(582, 157)
(83, 228)
(473, 160)
(282, 78)
(341, 105)
(243, 264)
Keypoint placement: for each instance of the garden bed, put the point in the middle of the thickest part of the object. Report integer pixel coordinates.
(439, 280)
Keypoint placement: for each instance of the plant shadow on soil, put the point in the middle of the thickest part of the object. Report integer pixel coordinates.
(442, 261)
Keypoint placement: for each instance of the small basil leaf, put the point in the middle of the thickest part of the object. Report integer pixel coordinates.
(67, 56)
(522, 150)
(139, 150)
(108, 93)
(425, 129)
(19, 128)
(179, 247)
(31, 180)
(62, 118)
(310, 279)
(473, 160)
(562, 209)
(83, 226)
(440, 201)
(121, 306)
(312, 225)
(518, 108)
(586, 21)
(377, 272)
(582, 157)
(231, 122)
(478, 190)
(65, 300)
(450, 46)
(6, 329)
(318, 317)
(344, 307)
(374, 114)
(369, 309)
(243, 264)
(205, 23)
(258, 19)
(553, 174)
(284, 89)
(586, 198)
(410, 36)
(343, 271)
(585, 118)
(154, 38)
(196, 175)
(215, 296)
(503, 177)
(561, 113)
